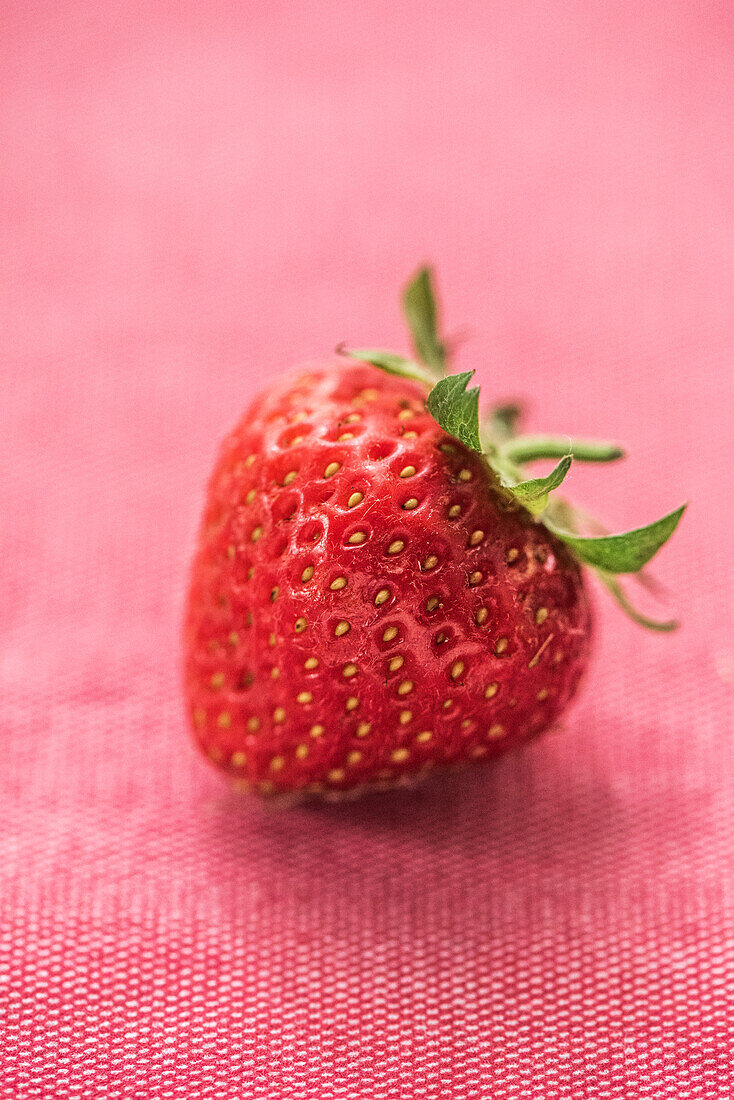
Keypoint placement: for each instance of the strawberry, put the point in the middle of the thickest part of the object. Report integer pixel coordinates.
(378, 588)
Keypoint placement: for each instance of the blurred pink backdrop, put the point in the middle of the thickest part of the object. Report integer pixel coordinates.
(193, 197)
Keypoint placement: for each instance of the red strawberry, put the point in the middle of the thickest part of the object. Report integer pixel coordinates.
(371, 596)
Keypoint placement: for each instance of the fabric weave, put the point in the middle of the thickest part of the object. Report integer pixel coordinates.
(195, 197)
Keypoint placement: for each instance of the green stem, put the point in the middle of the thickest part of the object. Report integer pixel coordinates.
(528, 448)
(618, 593)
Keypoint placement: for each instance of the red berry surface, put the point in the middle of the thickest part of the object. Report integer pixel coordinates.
(365, 602)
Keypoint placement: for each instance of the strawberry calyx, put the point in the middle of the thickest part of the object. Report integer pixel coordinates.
(454, 405)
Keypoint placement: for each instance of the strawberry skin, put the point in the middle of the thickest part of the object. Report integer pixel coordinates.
(366, 602)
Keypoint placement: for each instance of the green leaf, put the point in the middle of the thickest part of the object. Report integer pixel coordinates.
(662, 626)
(456, 408)
(624, 553)
(533, 494)
(390, 362)
(528, 448)
(419, 303)
(502, 422)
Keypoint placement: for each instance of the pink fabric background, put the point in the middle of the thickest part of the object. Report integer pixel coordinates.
(193, 197)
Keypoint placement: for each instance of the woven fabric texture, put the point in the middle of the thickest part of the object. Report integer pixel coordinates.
(195, 196)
